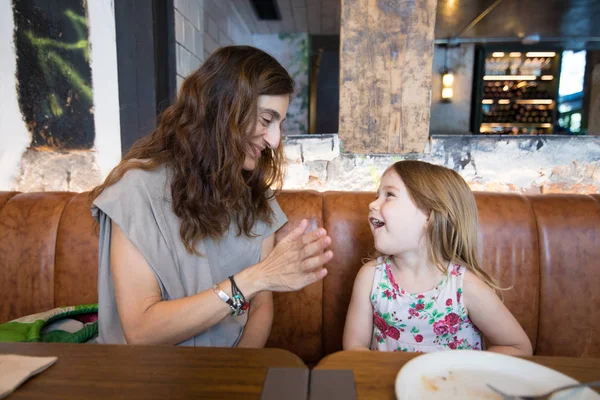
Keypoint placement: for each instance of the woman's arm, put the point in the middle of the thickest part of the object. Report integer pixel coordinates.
(493, 319)
(147, 319)
(359, 319)
(260, 318)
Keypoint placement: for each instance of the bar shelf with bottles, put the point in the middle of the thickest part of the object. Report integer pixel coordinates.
(516, 92)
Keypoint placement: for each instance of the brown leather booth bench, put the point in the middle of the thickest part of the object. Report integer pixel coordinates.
(546, 246)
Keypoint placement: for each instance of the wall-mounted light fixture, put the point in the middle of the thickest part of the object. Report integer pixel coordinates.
(447, 80)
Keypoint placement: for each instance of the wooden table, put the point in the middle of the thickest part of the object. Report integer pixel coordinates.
(375, 372)
(93, 371)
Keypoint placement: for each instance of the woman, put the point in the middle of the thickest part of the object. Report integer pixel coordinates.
(187, 219)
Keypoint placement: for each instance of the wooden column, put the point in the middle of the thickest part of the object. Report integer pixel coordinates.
(593, 121)
(385, 75)
(591, 93)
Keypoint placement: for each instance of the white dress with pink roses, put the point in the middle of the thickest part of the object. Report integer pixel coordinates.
(422, 322)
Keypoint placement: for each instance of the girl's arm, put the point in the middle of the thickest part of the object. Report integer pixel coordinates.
(260, 318)
(494, 320)
(359, 320)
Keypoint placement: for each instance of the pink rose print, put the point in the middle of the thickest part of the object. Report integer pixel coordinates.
(393, 333)
(419, 306)
(453, 344)
(455, 270)
(452, 319)
(412, 312)
(440, 328)
(384, 328)
(420, 296)
(388, 272)
(419, 338)
(453, 329)
(458, 295)
(380, 323)
(449, 302)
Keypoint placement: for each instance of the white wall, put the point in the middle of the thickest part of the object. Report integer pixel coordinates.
(105, 84)
(201, 27)
(189, 36)
(32, 170)
(14, 136)
(223, 26)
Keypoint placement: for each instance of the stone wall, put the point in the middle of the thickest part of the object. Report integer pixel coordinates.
(533, 165)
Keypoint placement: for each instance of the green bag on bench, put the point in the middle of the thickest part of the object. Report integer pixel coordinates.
(72, 324)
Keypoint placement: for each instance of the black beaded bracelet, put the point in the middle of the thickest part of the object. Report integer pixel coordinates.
(239, 299)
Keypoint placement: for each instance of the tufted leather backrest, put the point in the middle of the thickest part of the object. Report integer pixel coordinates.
(568, 229)
(547, 247)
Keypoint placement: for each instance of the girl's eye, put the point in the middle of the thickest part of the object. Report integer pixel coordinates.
(390, 194)
(266, 121)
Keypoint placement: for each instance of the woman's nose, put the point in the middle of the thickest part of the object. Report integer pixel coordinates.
(273, 136)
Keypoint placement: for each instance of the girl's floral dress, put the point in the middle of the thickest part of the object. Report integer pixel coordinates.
(423, 322)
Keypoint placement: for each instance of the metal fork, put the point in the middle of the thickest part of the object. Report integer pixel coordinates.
(546, 395)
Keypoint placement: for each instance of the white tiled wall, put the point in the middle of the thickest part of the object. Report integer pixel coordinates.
(201, 27)
(189, 36)
(223, 25)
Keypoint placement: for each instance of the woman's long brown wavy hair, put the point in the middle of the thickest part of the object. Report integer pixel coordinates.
(443, 195)
(203, 139)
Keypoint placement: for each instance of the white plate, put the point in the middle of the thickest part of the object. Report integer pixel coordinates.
(463, 374)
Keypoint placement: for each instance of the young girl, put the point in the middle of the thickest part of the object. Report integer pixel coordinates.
(428, 292)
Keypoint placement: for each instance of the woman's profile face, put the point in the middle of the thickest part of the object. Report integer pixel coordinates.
(271, 114)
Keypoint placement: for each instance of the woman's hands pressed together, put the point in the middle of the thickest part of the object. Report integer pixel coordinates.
(295, 262)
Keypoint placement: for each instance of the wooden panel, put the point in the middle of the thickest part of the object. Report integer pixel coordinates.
(385, 75)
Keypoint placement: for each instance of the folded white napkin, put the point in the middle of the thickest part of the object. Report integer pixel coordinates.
(15, 369)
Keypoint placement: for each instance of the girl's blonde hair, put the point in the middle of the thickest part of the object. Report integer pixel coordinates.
(443, 195)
